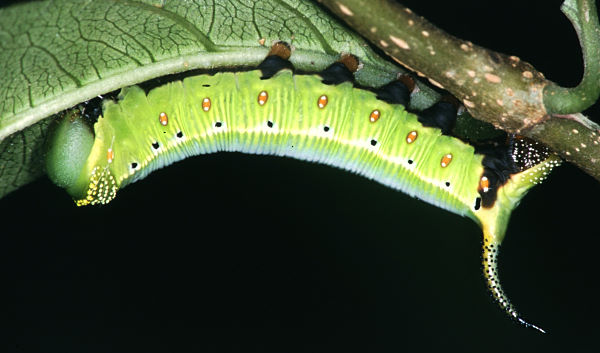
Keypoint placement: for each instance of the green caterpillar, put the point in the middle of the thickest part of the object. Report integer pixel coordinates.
(302, 117)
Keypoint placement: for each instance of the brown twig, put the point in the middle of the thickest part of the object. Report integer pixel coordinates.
(502, 90)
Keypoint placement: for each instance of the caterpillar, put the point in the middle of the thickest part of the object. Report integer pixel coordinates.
(323, 118)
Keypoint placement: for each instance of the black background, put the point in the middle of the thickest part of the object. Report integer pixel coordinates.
(231, 252)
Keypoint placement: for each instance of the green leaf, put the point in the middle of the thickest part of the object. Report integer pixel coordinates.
(56, 54)
(21, 157)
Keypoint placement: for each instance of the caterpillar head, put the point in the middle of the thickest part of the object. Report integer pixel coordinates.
(69, 148)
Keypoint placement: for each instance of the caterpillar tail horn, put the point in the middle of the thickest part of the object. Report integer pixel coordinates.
(494, 221)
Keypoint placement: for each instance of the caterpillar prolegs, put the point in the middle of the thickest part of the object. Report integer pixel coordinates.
(322, 118)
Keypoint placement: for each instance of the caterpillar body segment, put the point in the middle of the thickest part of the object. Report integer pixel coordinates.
(300, 116)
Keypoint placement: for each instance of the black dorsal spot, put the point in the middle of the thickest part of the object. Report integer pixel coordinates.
(477, 203)
(395, 92)
(448, 184)
(441, 115)
(276, 60)
(273, 64)
(336, 73)
(373, 142)
(325, 128)
(134, 165)
(269, 123)
(179, 134)
(410, 161)
(155, 145)
(218, 124)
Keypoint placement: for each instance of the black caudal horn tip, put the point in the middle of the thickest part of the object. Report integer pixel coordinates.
(276, 60)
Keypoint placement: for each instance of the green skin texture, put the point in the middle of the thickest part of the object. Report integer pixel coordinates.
(130, 127)
(73, 140)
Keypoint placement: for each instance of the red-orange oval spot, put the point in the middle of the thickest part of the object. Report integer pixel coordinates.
(375, 115)
(484, 183)
(322, 102)
(163, 119)
(110, 155)
(262, 97)
(411, 137)
(206, 104)
(446, 160)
